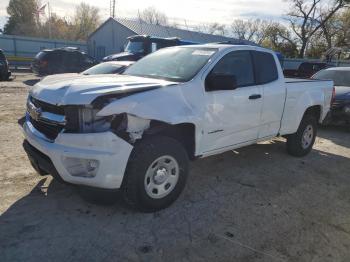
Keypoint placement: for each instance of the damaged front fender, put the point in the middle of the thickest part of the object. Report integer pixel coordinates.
(166, 104)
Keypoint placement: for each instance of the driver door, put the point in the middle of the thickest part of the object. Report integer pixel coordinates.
(232, 116)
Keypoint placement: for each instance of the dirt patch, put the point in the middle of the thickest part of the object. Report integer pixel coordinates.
(254, 204)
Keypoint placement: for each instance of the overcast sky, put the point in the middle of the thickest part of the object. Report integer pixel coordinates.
(194, 11)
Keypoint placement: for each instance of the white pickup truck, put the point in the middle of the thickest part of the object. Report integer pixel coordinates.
(137, 131)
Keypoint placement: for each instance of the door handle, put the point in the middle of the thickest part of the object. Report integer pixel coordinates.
(253, 97)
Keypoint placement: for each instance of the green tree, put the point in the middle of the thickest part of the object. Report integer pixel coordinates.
(279, 38)
(22, 20)
(60, 28)
(334, 35)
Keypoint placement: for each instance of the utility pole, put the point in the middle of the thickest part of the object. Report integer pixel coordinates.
(112, 8)
(50, 31)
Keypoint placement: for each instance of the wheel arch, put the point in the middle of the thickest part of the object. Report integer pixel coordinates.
(315, 110)
(184, 133)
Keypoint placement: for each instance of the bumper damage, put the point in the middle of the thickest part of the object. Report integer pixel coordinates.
(95, 160)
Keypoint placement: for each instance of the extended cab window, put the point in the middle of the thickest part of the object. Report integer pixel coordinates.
(238, 64)
(265, 67)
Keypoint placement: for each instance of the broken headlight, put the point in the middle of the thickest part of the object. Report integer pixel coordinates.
(90, 123)
(85, 120)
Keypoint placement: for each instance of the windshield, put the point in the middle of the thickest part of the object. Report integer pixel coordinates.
(179, 64)
(104, 68)
(340, 78)
(134, 47)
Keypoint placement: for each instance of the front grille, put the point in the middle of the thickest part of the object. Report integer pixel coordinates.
(46, 107)
(45, 124)
(51, 131)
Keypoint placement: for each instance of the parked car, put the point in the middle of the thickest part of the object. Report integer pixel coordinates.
(305, 70)
(137, 131)
(139, 46)
(112, 67)
(340, 110)
(5, 72)
(61, 60)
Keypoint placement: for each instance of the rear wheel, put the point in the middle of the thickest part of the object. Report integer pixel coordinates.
(300, 144)
(156, 174)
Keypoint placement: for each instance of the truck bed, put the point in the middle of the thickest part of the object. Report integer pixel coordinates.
(301, 80)
(300, 94)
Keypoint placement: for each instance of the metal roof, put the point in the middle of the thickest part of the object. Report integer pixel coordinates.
(142, 28)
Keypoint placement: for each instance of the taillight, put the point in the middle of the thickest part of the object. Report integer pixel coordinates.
(333, 96)
(43, 63)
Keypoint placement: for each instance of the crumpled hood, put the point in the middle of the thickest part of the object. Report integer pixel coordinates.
(76, 89)
(342, 93)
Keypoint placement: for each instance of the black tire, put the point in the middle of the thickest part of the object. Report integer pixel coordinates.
(8, 75)
(295, 146)
(144, 154)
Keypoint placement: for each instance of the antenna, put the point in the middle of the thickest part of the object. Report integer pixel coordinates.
(112, 8)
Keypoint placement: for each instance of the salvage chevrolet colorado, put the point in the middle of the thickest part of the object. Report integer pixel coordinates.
(137, 132)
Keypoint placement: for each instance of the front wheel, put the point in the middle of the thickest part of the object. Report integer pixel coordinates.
(156, 174)
(300, 144)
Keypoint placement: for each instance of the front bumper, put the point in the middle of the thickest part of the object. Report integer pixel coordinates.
(111, 152)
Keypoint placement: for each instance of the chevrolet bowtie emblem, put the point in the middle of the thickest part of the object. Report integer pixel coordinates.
(34, 112)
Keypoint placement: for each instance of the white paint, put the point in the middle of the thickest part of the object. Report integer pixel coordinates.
(223, 120)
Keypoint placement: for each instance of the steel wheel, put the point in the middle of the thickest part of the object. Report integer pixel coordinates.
(308, 137)
(161, 177)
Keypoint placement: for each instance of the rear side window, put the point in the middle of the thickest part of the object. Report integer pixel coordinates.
(265, 67)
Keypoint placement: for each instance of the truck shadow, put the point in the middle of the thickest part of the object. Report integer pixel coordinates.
(339, 135)
(234, 192)
(31, 82)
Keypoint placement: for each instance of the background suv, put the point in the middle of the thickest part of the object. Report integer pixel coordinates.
(4, 67)
(61, 60)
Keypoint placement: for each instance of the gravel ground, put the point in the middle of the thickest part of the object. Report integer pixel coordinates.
(253, 204)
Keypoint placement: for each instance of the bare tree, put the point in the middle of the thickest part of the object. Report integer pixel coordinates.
(214, 29)
(152, 16)
(245, 30)
(336, 31)
(251, 30)
(343, 35)
(86, 19)
(307, 17)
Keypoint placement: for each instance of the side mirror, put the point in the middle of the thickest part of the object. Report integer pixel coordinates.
(216, 82)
